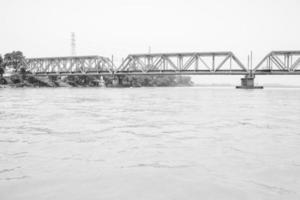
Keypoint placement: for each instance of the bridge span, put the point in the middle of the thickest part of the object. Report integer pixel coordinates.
(193, 63)
(72, 65)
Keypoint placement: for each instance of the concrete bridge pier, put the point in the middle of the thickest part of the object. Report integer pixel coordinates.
(102, 82)
(117, 81)
(248, 83)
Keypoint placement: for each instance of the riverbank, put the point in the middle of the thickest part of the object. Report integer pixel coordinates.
(29, 80)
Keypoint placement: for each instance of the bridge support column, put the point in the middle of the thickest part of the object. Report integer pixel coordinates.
(117, 81)
(102, 82)
(248, 83)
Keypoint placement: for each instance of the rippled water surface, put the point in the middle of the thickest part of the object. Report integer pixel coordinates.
(149, 143)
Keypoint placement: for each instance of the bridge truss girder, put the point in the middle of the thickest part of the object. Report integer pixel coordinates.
(279, 61)
(188, 63)
(70, 65)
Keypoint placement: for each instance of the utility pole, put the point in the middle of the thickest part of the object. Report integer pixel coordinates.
(251, 66)
(73, 44)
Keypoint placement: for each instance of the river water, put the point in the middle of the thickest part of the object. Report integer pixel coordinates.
(149, 143)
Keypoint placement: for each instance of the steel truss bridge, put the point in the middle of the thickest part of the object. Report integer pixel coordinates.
(195, 63)
(279, 62)
(182, 63)
(73, 65)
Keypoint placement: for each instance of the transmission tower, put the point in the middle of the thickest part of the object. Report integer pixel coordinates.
(73, 44)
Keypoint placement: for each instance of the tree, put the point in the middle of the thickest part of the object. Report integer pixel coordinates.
(14, 59)
(1, 60)
(22, 71)
(2, 71)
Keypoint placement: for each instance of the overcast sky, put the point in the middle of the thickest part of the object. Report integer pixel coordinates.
(119, 27)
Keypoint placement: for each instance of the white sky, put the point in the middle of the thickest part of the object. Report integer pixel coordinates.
(119, 27)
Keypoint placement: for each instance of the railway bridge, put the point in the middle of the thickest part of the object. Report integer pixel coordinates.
(193, 63)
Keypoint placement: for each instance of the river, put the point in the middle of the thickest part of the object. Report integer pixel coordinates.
(149, 143)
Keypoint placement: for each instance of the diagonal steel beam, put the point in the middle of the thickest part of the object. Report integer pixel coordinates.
(189, 62)
(262, 61)
(170, 62)
(223, 62)
(295, 64)
(238, 62)
(276, 62)
(157, 63)
(141, 63)
(203, 62)
(125, 63)
(282, 64)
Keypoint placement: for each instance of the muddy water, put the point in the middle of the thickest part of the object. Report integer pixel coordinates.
(149, 143)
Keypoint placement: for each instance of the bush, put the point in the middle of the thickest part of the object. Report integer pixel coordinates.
(15, 79)
(3, 81)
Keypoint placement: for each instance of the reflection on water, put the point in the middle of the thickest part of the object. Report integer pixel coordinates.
(149, 143)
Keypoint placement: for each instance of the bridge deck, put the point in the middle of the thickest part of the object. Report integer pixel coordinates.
(169, 72)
